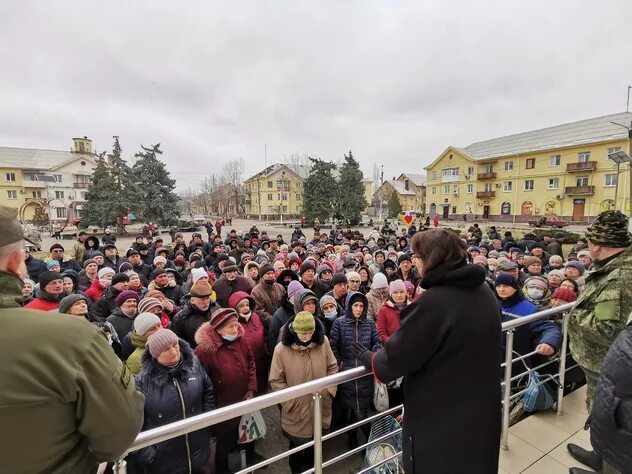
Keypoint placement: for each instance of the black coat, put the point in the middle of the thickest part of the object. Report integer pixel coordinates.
(447, 350)
(186, 323)
(611, 417)
(174, 293)
(121, 323)
(34, 267)
(166, 390)
(281, 316)
(104, 306)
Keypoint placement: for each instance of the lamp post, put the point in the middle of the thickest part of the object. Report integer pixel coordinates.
(626, 158)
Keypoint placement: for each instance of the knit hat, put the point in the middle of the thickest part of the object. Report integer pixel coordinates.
(558, 273)
(396, 285)
(610, 229)
(379, 281)
(105, 271)
(326, 299)
(338, 278)
(147, 303)
(125, 295)
(119, 277)
(531, 260)
(480, 259)
(403, 258)
(492, 263)
(583, 253)
(88, 262)
(144, 322)
(157, 272)
(564, 294)
(11, 228)
(353, 276)
(67, 301)
(56, 246)
(198, 273)
(52, 263)
(230, 267)
(125, 267)
(574, 264)
(97, 253)
(506, 279)
(304, 322)
(223, 316)
(46, 277)
(307, 265)
(266, 269)
(537, 282)
(160, 341)
(293, 288)
(160, 259)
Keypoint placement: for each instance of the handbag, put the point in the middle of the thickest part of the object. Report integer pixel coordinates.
(380, 396)
(251, 427)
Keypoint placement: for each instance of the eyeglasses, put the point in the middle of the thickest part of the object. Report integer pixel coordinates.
(413, 256)
(354, 281)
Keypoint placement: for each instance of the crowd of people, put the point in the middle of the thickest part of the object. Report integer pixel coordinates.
(204, 323)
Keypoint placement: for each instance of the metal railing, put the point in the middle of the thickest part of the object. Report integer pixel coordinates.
(205, 420)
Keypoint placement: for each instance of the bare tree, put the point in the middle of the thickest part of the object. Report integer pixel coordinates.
(232, 173)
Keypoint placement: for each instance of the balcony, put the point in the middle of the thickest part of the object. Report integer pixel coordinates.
(579, 190)
(490, 175)
(31, 184)
(584, 166)
(485, 194)
(80, 185)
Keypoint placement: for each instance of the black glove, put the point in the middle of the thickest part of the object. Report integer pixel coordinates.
(363, 354)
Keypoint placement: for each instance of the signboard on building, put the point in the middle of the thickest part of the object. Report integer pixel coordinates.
(505, 208)
(527, 208)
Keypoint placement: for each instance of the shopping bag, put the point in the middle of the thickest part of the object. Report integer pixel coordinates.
(538, 395)
(251, 427)
(380, 396)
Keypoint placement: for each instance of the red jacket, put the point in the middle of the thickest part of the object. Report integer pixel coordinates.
(96, 290)
(43, 304)
(387, 320)
(253, 328)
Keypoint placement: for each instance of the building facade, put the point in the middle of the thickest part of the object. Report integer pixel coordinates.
(562, 171)
(274, 193)
(56, 181)
(410, 189)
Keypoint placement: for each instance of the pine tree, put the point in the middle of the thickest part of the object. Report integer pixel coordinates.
(319, 191)
(394, 206)
(350, 201)
(154, 183)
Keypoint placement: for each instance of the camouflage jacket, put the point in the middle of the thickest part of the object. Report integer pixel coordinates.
(601, 311)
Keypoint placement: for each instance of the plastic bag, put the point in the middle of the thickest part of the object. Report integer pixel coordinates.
(537, 397)
(251, 427)
(380, 396)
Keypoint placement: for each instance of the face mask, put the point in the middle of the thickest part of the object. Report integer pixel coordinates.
(105, 283)
(535, 293)
(331, 315)
(229, 337)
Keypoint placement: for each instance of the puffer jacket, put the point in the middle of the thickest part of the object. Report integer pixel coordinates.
(282, 315)
(294, 364)
(172, 394)
(189, 319)
(357, 394)
(611, 416)
(376, 297)
(134, 360)
(388, 320)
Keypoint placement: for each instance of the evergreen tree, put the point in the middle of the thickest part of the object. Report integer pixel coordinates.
(394, 206)
(319, 191)
(154, 183)
(350, 201)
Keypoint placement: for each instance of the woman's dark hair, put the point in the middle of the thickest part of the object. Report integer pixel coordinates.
(439, 247)
(575, 285)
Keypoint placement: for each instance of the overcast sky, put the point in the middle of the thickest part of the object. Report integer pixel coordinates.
(394, 81)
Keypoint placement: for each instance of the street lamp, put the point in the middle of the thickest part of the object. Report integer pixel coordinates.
(618, 157)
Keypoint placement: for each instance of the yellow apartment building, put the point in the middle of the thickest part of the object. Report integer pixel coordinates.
(561, 171)
(276, 192)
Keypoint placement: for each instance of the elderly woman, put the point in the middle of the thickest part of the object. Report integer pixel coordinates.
(536, 290)
(27, 291)
(555, 278)
(175, 387)
(126, 310)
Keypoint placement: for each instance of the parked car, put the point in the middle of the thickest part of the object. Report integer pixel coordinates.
(549, 222)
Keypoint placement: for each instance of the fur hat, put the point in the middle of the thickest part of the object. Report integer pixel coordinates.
(119, 277)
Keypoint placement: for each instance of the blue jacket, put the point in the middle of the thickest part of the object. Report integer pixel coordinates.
(358, 394)
(543, 331)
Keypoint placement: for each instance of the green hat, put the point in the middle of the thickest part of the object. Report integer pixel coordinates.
(11, 228)
(304, 322)
(610, 229)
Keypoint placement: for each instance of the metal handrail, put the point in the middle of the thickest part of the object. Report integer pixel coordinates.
(198, 422)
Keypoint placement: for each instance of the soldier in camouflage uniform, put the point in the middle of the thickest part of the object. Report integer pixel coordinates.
(602, 308)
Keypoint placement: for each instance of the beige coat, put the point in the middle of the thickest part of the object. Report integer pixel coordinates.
(293, 365)
(376, 299)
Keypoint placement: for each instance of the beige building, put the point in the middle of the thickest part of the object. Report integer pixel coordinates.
(276, 192)
(410, 189)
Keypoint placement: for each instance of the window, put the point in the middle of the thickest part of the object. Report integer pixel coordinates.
(470, 170)
(434, 175)
(583, 157)
(488, 187)
(9, 176)
(554, 183)
(446, 189)
(614, 149)
(528, 184)
(270, 208)
(508, 165)
(455, 188)
(611, 180)
(270, 197)
(530, 163)
(59, 195)
(507, 185)
(269, 184)
(434, 190)
(489, 168)
(81, 147)
(449, 172)
(582, 181)
(470, 188)
(57, 177)
(554, 160)
(82, 178)
(37, 194)
(279, 197)
(284, 197)
(12, 194)
(284, 208)
(453, 209)
(61, 212)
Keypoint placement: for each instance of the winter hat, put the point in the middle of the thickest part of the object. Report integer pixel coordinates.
(96, 253)
(531, 260)
(537, 282)
(379, 281)
(160, 341)
(583, 253)
(480, 259)
(105, 271)
(506, 265)
(179, 261)
(125, 295)
(493, 254)
(201, 290)
(396, 285)
(46, 277)
(88, 262)
(403, 258)
(492, 263)
(144, 322)
(198, 273)
(557, 258)
(323, 268)
(148, 303)
(266, 269)
(304, 322)
(564, 294)
(574, 264)
(229, 267)
(506, 279)
(157, 272)
(353, 276)
(558, 273)
(327, 299)
(160, 259)
(52, 263)
(119, 277)
(125, 267)
(610, 229)
(338, 278)
(293, 288)
(28, 281)
(56, 246)
(223, 316)
(307, 265)
(66, 302)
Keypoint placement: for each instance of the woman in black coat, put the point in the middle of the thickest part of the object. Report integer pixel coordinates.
(175, 387)
(447, 351)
